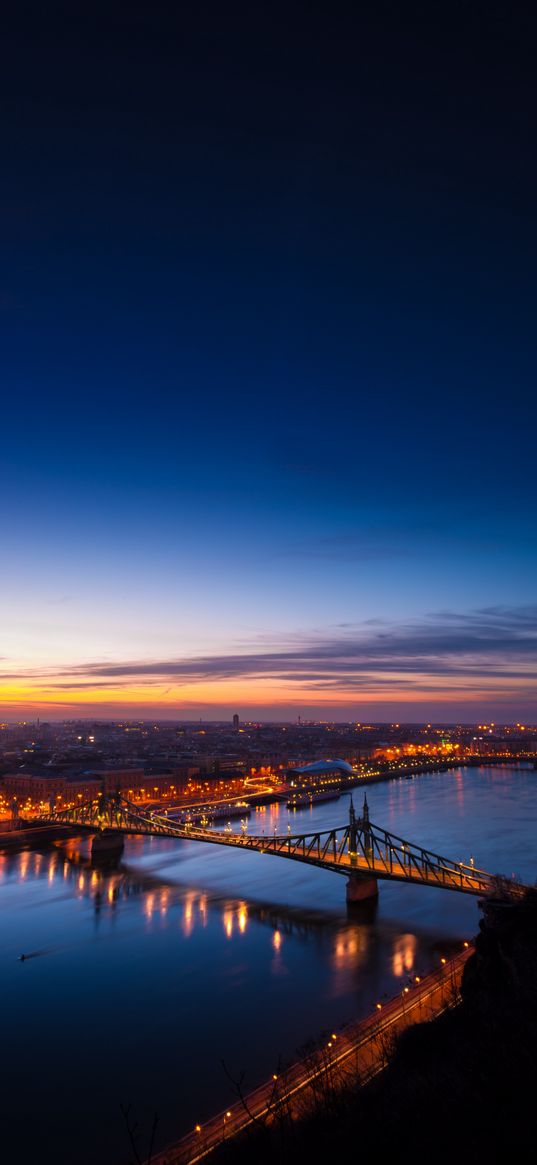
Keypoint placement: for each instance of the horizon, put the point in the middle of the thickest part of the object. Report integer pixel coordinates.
(260, 723)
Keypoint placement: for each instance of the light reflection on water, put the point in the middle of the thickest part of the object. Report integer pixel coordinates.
(189, 954)
(404, 954)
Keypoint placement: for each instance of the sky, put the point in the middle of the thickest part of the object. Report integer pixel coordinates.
(267, 304)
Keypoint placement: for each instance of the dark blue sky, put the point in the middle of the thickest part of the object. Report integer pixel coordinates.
(267, 310)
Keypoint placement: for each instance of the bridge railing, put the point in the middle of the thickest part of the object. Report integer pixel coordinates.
(396, 856)
(360, 846)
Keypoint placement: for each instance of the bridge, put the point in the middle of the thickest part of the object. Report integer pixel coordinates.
(360, 850)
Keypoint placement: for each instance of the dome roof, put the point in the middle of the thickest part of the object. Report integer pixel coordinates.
(325, 766)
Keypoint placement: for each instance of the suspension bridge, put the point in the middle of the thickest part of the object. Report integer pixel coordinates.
(363, 852)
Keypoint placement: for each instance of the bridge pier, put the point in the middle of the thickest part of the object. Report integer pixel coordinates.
(107, 846)
(361, 888)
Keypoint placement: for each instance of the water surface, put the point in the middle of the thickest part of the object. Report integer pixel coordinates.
(146, 981)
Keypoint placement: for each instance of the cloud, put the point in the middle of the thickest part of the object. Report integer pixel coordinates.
(494, 648)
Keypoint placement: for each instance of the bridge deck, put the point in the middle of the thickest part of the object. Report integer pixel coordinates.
(357, 849)
(344, 863)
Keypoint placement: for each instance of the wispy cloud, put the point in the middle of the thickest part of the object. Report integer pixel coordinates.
(491, 648)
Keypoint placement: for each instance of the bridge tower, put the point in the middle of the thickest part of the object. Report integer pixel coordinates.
(353, 830)
(366, 827)
(108, 843)
(360, 887)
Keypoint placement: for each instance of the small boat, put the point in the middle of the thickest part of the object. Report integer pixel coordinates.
(205, 814)
(305, 799)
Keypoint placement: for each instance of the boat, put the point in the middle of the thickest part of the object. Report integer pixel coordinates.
(304, 799)
(205, 814)
(215, 812)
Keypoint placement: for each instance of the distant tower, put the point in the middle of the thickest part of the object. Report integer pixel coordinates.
(235, 723)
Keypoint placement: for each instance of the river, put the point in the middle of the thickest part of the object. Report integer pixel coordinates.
(148, 985)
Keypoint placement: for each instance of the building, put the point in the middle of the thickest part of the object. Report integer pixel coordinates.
(37, 789)
(321, 773)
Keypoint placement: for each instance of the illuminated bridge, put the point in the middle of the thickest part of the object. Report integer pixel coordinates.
(360, 850)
